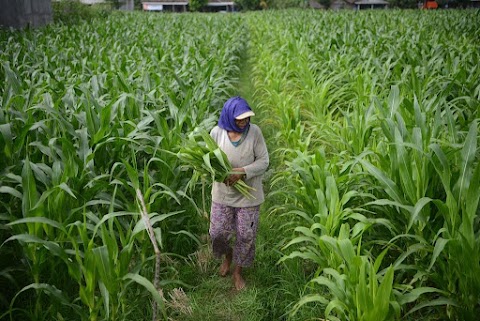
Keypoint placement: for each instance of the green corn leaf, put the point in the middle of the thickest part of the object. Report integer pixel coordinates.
(300, 239)
(379, 259)
(30, 196)
(84, 149)
(222, 158)
(165, 190)
(148, 286)
(364, 301)
(42, 173)
(103, 265)
(394, 100)
(339, 278)
(301, 214)
(432, 303)
(106, 298)
(52, 247)
(6, 132)
(390, 186)
(404, 163)
(346, 248)
(419, 116)
(190, 235)
(450, 119)
(45, 288)
(211, 144)
(471, 207)
(440, 244)
(334, 288)
(468, 155)
(306, 231)
(441, 165)
(303, 255)
(109, 216)
(154, 218)
(11, 78)
(11, 191)
(132, 175)
(335, 305)
(414, 294)
(387, 202)
(110, 239)
(208, 165)
(382, 298)
(39, 219)
(309, 299)
(64, 187)
(417, 209)
(105, 124)
(331, 195)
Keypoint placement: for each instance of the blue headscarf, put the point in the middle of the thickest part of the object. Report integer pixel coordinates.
(234, 107)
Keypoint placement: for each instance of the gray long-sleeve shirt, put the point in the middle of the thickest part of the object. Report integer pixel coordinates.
(252, 155)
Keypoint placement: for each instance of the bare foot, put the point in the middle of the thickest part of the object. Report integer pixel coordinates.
(238, 280)
(225, 267)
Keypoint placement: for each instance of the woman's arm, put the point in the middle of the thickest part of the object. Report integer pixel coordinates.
(260, 164)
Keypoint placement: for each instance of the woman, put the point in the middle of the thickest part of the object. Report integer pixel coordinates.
(232, 213)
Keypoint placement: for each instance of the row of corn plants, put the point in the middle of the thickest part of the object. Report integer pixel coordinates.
(91, 119)
(375, 115)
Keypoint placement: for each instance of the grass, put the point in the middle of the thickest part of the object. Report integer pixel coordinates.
(215, 299)
(271, 287)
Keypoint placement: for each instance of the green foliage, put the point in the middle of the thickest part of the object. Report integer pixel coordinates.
(373, 122)
(246, 5)
(454, 3)
(114, 3)
(77, 145)
(197, 5)
(283, 4)
(325, 3)
(403, 4)
(73, 11)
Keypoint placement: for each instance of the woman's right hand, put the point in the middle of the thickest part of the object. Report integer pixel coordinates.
(238, 174)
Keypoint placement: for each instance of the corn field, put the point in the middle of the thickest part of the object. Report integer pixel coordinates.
(371, 119)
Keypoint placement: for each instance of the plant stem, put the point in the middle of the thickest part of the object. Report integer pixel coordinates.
(151, 234)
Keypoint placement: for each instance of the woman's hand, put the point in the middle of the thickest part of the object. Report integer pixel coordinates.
(238, 174)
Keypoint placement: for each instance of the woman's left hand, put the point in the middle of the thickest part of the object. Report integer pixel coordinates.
(239, 173)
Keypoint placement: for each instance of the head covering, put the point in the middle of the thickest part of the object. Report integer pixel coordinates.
(234, 108)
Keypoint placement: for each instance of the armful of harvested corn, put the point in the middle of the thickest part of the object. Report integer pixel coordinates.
(236, 175)
(202, 154)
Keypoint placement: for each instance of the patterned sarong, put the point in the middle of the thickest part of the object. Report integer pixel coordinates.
(240, 223)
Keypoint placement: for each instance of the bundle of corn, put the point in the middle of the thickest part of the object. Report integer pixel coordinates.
(202, 154)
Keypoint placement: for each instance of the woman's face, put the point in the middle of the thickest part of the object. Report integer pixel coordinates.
(242, 123)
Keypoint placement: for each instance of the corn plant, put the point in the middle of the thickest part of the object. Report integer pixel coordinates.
(78, 107)
(357, 290)
(390, 113)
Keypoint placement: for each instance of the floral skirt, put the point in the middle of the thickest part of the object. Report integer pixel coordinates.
(237, 225)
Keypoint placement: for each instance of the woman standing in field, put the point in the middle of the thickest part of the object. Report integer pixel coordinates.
(232, 213)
